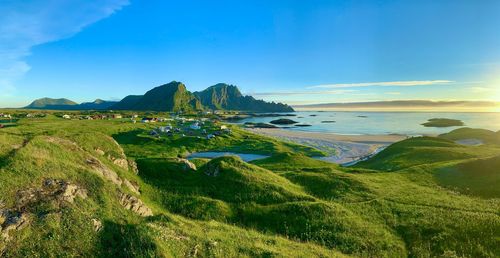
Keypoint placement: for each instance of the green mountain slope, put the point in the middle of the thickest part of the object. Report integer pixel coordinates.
(228, 97)
(48, 103)
(168, 97)
(127, 103)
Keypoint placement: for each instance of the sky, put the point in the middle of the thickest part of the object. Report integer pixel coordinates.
(297, 52)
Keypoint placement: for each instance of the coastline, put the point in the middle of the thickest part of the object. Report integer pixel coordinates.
(341, 149)
(367, 139)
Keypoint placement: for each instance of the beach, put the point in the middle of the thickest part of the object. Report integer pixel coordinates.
(340, 149)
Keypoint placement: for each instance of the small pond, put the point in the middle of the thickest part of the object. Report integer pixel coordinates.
(213, 154)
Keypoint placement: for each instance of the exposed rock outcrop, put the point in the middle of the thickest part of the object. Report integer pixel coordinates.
(123, 163)
(99, 152)
(58, 192)
(187, 165)
(104, 171)
(134, 204)
(97, 224)
(133, 166)
(133, 186)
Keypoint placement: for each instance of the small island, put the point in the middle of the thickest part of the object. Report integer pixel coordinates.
(283, 121)
(259, 125)
(443, 122)
(303, 125)
(328, 121)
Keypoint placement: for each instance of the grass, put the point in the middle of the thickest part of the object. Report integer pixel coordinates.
(442, 122)
(478, 177)
(487, 136)
(420, 197)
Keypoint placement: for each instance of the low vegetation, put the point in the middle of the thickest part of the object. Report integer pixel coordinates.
(73, 187)
(442, 122)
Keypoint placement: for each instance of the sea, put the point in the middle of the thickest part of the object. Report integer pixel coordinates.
(376, 123)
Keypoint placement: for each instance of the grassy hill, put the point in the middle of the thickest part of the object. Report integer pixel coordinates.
(479, 177)
(48, 103)
(486, 136)
(108, 188)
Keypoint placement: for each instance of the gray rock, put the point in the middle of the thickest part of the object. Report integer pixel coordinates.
(104, 171)
(134, 204)
(133, 186)
(187, 165)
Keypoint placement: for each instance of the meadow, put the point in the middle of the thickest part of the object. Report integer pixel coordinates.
(421, 197)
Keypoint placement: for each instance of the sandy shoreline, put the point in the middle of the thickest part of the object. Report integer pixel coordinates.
(341, 149)
(368, 139)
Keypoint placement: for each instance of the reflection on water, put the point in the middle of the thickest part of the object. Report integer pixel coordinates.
(407, 123)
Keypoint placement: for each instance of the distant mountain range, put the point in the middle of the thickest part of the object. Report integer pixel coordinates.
(403, 105)
(66, 104)
(172, 97)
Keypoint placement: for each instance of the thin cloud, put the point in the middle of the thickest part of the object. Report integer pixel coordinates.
(481, 89)
(393, 93)
(294, 93)
(25, 24)
(382, 84)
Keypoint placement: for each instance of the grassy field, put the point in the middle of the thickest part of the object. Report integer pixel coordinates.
(418, 198)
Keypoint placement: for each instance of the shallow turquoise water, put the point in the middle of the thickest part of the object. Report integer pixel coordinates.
(407, 123)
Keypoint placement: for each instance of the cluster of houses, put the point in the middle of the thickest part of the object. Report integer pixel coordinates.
(192, 128)
(93, 117)
(154, 119)
(8, 116)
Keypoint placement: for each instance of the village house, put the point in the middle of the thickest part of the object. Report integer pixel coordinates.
(195, 126)
(66, 116)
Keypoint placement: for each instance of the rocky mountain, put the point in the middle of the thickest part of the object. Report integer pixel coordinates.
(48, 103)
(229, 97)
(172, 96)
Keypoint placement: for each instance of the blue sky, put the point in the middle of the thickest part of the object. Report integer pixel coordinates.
(292, 51)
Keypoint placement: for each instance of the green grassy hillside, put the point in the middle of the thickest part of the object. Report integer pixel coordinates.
(487, 136)
(480, 177)
(108, 188)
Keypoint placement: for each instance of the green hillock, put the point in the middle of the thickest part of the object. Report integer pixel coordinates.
(486, 136)
(417, 151)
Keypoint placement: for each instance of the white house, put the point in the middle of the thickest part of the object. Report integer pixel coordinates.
(195, 126)
(66, 116)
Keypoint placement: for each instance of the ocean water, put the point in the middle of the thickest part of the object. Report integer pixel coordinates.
(362, 123)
